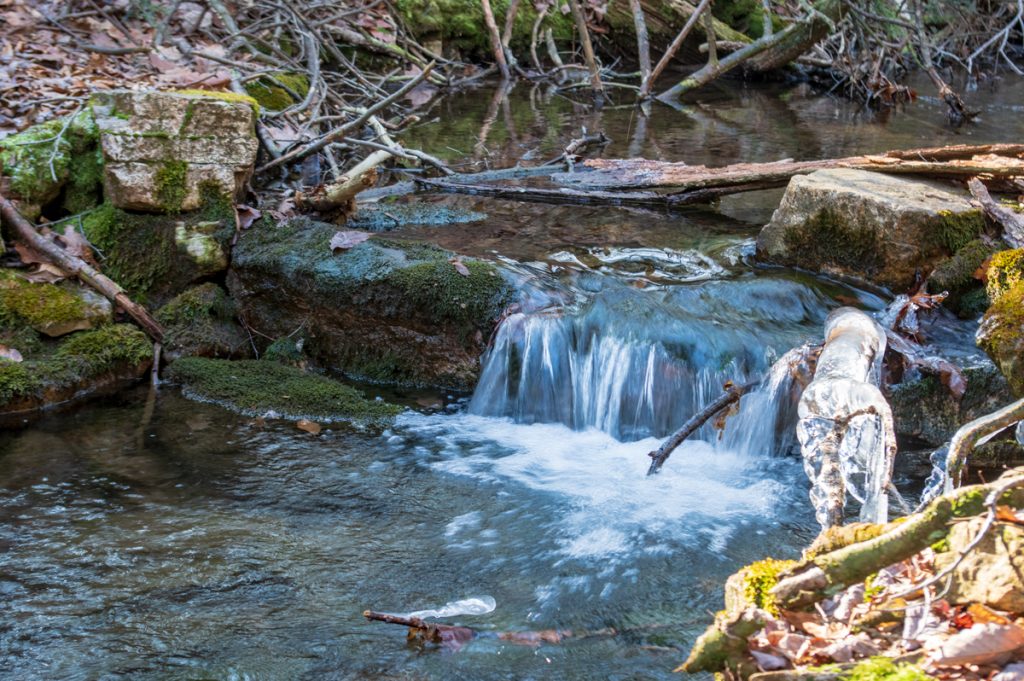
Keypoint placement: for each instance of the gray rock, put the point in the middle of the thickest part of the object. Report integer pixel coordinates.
(163, 150)
(991, 572)
(877, 228)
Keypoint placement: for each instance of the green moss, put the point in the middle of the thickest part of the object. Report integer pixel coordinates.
(84, 189)
(223, 96)
(830, 239)
(1005, 271)
(881, 668)
(258, 386)
(941, 546)
(39, 304)
(973, 303)
(38, 163)
(445, 295)
(201, 321)
(78, 358)
(1002, 335)
(195, 305)
(138, 252)
(171, 188)
(760, 578)
(956, 274)
(269, 96)
(101, 350)
(956, 230)
(287, 350)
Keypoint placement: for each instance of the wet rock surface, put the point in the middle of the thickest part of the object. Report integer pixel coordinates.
(200, 322)
(163, 150)
(387, 311)
(873, 227)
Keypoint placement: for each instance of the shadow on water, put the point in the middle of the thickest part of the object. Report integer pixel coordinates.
(196, 544)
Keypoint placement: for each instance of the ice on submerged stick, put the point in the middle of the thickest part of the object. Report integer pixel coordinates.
(845, 426)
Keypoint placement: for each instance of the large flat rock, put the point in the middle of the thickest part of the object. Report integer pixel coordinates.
(163, 151)
(869, 226)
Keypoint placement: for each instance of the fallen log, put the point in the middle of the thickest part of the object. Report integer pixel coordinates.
(824, 574)
(583, 198)
(996, 161)
(732, 394)
(451, 636)
(339, 198)
(965, 439)
(79, 268)
(1011, 221)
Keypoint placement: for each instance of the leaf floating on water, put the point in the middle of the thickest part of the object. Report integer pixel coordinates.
(308, 426)
(344, 240)
(10, 354)
(460, 266)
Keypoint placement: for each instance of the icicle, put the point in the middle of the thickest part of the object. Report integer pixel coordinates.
(846, 430)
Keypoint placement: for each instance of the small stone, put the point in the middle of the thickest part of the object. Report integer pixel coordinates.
(990, 573)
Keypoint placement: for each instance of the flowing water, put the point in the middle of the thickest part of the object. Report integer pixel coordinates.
(148, 537)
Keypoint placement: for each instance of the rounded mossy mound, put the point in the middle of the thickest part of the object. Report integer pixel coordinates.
(261, 388)
(1001, 335)
(42, 159)
(201, 322)
(959, 275)
(80, 363)
(1005, 270)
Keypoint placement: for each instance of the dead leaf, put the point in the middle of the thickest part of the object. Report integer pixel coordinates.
(45, 273)
(247, 215)
(76, 244)
(768, 662)
(981, 644)
(342, 241)
(460, 266)
(10, 354)
(27, 255)
(982, 614)
(308, 426)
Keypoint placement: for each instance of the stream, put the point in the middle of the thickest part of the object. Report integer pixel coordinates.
(145, 536)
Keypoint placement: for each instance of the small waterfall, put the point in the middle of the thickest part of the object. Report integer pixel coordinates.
(636, 364)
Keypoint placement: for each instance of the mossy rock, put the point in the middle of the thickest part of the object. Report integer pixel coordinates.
(956, 275)
(386, 311)
(155, 257)
(880, 229)
(200, 322)
(81, 364)
(51, 309)
(278, 91)
(925, 410)
(260, 387)
(751, 587)
(1005, 270)
(1001, 335)
(41, 160)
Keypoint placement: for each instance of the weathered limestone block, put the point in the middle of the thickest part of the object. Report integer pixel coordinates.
(991, 573)
(874, 227)
(163, 151)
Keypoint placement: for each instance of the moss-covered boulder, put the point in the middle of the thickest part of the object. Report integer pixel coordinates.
(1001, 335)
(51, 309)
(56, 160)
(868, 226)
(386, 311)
(992, 573)
(265, 388)
(162, 150)
(1005, 270)
(201, 323)
(79, 365)
(155, 257)
(925, 410)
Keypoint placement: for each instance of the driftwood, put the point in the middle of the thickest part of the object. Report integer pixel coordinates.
(567, 196)
(496, 45)
(340, 197)
(732, 394)
(422, 631)
(81, 269)
(588, 48)
(970, 433)
(992, 160)
(1011, 221)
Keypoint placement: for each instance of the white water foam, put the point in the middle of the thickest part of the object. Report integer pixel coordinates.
(610, 507)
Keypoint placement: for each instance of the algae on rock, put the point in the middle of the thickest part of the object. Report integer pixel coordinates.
(261, 387)
(200, 322)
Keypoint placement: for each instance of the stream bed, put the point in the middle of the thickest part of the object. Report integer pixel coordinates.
(144, 536)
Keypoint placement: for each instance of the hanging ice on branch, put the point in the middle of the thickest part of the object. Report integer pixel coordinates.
(846, 429)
